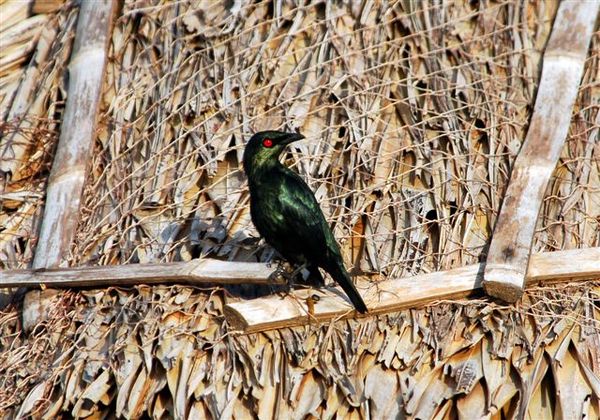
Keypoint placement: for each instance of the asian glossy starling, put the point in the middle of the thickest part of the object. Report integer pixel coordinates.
(286, 213)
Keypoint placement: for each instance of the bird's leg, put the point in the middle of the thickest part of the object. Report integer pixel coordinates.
(297, 271)
(278, 261)
(284, 271)
(278, 276)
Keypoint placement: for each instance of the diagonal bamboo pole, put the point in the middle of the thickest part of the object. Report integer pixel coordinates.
(68, 174)
(299, 308)
(564, 59)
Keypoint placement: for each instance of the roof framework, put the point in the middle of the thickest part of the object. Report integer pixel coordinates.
(416, 114)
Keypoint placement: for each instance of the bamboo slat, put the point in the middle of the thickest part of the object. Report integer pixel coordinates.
(203, 271)
(69, 169)
(393, 295)
(564, 60)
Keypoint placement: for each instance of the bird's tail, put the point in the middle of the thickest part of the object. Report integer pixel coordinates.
(314, 277)
(341, 276)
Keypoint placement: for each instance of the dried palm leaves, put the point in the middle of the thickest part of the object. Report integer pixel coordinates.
(415, 112)
(165, 352)
(31, 101)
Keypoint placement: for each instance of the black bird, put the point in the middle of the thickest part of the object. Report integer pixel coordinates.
(286, 213)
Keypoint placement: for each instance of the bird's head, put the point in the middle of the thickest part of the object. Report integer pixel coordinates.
(264, 148)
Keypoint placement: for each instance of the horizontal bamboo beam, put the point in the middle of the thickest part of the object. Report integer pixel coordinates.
(393, 295)
(203, 271)
(564, 58)
(275, 312)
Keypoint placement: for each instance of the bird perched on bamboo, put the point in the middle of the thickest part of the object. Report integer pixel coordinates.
(286, 213)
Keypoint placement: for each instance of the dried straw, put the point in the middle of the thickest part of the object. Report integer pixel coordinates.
(414, 113)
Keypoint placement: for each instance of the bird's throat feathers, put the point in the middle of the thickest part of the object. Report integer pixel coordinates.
(265, 171)
(262, 153)
(261, 164)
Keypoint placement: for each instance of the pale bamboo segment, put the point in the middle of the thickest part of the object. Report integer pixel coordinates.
(393, 295)
(67, 178)
(564, 60)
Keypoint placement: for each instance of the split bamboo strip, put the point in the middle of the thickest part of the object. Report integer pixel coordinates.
(68, 174)
(563, 66)
(202, 271)
(393, 295)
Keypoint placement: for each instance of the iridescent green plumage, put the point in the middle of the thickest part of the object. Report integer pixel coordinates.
(286, 213)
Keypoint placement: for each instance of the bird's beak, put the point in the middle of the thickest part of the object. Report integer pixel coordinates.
(292, 137)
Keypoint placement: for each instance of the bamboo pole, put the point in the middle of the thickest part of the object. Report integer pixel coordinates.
(275, 312)
(68, 174)
(564, 59)
(202, 271)
(299, 308)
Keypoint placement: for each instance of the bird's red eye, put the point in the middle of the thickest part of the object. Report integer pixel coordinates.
(268, 143)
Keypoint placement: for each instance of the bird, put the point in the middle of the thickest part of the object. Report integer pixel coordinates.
(286, 214)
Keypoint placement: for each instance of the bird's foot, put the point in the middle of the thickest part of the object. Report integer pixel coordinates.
(285, 272)
(277, 262)
(294, 274)
(280, 275)
(284, 292)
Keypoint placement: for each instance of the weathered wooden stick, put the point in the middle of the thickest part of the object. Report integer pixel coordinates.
(67, 177)
(393, 295)
(564, 59)
(205, 271)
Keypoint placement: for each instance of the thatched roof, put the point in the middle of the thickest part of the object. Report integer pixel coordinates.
(165, 352)
(414, 113)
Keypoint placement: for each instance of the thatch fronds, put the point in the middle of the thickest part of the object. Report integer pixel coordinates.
(413, 115)
(165, 352)
(32, 95)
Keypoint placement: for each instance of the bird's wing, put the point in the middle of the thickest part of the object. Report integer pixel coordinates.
(298, 202)
(308, 225)
(304, 215)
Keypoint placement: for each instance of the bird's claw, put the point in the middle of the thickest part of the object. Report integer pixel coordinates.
(277, 261)
(278, 276)
(285, 272)
(281, 275)
(284, 292)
